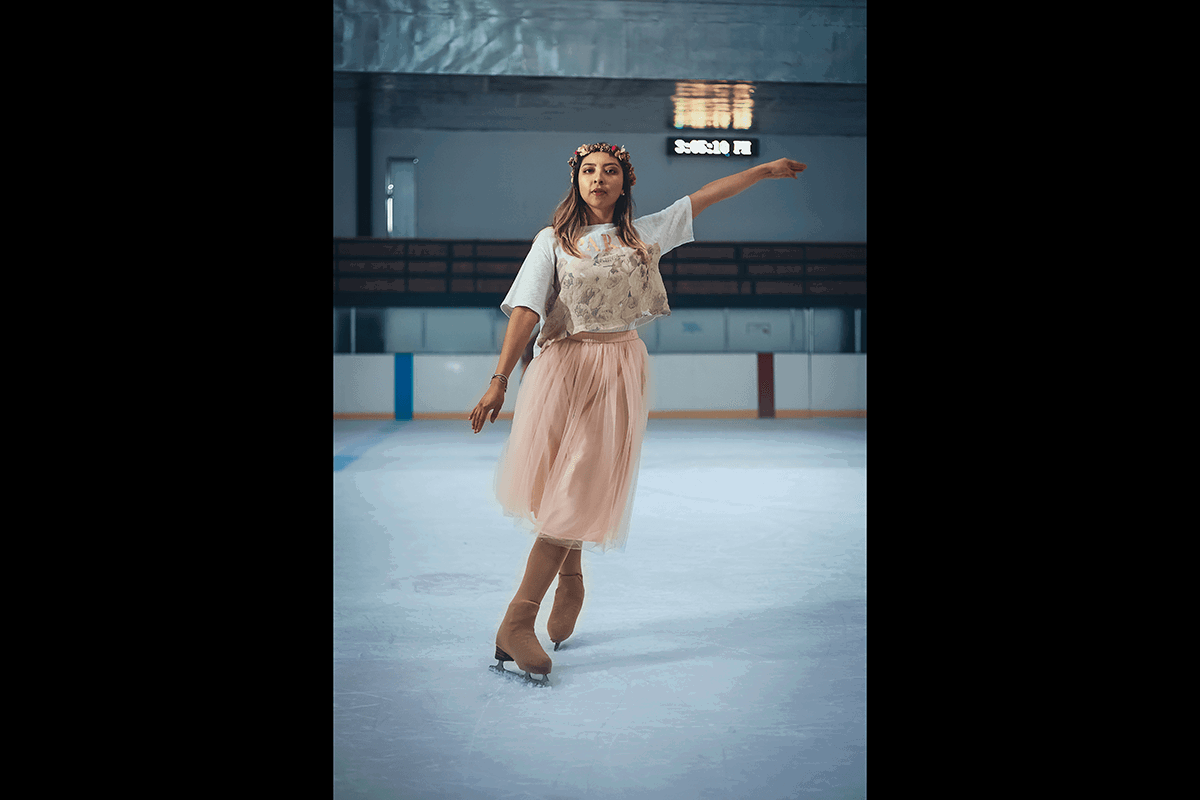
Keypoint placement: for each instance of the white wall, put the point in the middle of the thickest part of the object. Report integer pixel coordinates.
(791, 381)
(839, 381)
(364, 384)
(345, 219)
(505, 184)
(704, 382)
(453, 384)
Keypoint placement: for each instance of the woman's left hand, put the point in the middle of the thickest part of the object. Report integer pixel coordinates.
(784, 168)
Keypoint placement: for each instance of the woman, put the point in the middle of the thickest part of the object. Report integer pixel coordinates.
(569, 468)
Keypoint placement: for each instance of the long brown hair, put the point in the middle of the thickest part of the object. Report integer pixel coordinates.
(570, 218)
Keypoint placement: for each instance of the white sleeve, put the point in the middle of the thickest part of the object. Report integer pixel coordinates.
(670, 227)
(531, 287)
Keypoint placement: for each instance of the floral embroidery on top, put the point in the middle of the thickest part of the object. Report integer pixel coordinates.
(605, 292)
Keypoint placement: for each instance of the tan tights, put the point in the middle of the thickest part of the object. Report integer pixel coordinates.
(573, 564)
(545, 561)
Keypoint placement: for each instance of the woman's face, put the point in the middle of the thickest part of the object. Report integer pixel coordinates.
(601, 182)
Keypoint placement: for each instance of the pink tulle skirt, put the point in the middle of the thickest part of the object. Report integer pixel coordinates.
(569, 468)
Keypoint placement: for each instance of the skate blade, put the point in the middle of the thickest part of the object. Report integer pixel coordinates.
(523, 677)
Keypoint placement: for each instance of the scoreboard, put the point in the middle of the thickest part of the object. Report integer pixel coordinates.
(677, 146)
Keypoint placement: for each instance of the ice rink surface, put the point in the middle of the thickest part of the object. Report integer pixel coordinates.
(722, 655)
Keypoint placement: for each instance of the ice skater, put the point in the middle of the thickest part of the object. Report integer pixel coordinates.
(569, 468)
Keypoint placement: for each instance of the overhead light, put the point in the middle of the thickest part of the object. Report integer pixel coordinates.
(717, 105)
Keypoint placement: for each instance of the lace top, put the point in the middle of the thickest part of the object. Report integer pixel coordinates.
(607, 290)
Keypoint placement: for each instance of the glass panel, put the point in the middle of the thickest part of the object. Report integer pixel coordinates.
(368, 330)
(692, 330)
(460, 330)
(833, 330)
(649, 336)
(760, 330)
(402, 330)
(687, 330)
(341, 330)
(799, 330)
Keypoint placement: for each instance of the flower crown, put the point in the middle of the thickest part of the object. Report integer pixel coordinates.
(584, 150)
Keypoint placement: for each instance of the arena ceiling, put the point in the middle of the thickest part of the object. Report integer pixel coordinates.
(512, 103)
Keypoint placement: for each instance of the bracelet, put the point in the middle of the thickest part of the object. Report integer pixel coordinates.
(503, 378)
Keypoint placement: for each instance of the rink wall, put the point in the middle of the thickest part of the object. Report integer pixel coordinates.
(829, 204)
(717, 385)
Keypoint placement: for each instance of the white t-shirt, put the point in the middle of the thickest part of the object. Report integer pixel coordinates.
(609, 289)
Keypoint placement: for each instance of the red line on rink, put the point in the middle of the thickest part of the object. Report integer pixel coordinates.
(766, 385)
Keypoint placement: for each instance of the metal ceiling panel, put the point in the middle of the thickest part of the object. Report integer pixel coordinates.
(764, 41)
(466, 102)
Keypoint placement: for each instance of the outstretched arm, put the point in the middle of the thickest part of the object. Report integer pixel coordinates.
(520, 326)
(724, 188)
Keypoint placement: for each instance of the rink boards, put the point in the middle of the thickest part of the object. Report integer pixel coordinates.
(730, 385)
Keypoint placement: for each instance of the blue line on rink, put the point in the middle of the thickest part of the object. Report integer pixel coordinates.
(404, 385)
(364, 442)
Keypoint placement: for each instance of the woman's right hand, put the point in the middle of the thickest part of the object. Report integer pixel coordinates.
(492, 399)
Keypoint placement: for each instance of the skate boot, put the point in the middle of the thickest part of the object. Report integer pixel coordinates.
(516, 640)
(568, 600)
